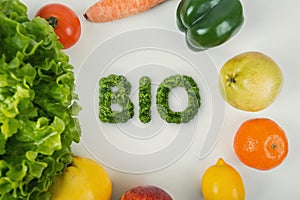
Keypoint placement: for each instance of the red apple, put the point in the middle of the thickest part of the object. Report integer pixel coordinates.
(146, 193)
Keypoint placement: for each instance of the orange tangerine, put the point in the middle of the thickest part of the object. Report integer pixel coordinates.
(261, 143)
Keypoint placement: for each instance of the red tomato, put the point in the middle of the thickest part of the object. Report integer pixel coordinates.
(65, 22)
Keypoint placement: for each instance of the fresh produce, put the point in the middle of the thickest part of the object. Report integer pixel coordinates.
(145, 98)
(65, 22)
(38, 106)
(209, 23)
(110, 10)
(162, 99)
(261, 143)
(108, 97)
(147, 192)
(84, 179)
(222, 181)
(250, 81)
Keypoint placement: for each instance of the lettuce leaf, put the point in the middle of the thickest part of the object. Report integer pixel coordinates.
(38, 105)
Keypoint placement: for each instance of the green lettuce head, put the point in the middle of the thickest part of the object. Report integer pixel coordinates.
(38, 109)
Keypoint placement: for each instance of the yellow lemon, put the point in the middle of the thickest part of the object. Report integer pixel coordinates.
(222, 182)
(84, 179)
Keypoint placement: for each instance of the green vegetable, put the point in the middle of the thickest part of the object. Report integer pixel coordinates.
(162, 99)
(209, 23)
(115, 90)
(145, 99)
(38, 106)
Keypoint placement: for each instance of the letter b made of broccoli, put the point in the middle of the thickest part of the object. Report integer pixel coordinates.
(114, 92)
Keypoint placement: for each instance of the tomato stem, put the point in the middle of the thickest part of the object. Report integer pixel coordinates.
(53, 21)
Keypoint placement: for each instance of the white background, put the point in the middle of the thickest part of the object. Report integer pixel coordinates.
(271, 27)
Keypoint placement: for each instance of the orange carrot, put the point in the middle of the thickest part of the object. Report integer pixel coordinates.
(109, 10)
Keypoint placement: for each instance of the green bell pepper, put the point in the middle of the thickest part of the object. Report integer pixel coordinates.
(209, 23)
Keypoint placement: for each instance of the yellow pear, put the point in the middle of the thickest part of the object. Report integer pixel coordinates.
(250, 81)
(84, 179)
